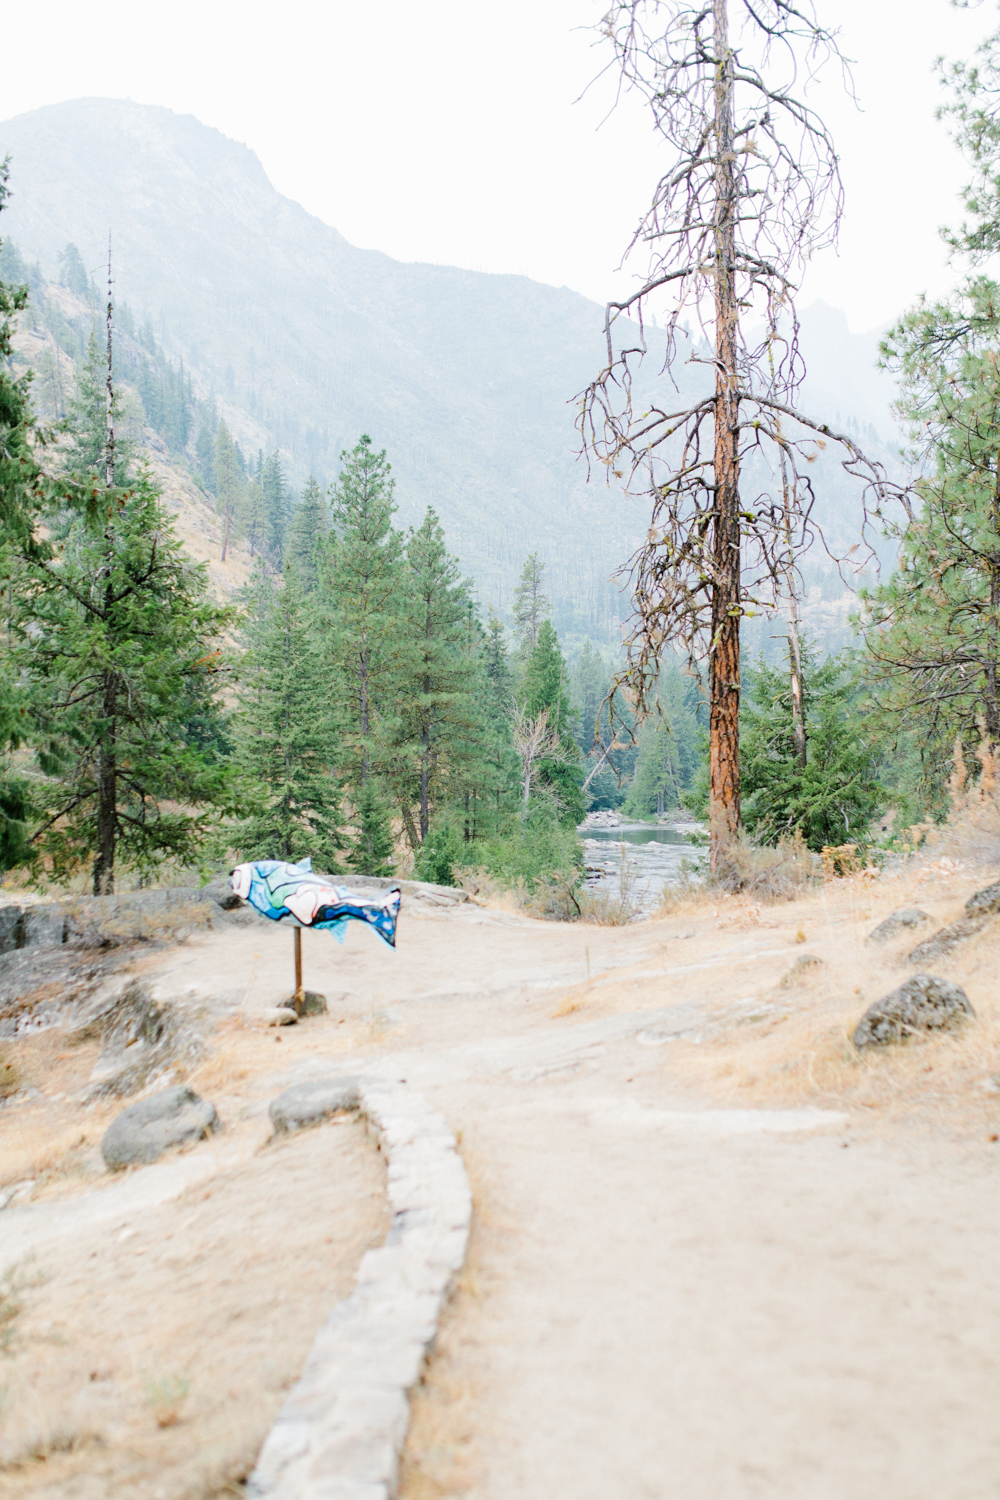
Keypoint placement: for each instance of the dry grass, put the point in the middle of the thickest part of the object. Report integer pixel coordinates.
(11, 1080)
(104, 923)
(797, 1049)
(154, 1358)
(971, 832)
(779, 873)
(440, 1458)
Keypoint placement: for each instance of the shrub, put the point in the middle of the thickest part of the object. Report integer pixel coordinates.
(541, 858)
(777, 872)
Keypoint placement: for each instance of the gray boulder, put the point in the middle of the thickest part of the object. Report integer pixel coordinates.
(985, 903)
(311, 1004)
(923, 1004)
(804, 965)
(141, 1133)
(942, 942)
(311, 1103)
(896, 922)
(11, 928)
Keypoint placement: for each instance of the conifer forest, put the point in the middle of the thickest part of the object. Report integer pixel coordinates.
(361, 699)
(500, 750)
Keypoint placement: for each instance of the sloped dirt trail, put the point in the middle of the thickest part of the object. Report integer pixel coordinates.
(714, 1255)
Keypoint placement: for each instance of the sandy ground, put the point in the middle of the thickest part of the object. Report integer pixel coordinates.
(716, 1252)
(165, 1316)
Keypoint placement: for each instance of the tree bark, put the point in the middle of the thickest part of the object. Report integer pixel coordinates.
(363, 710)
(795, 673)
(724, 668)
(107, 790)
(425, 756)
(991, 706)
(107, 764)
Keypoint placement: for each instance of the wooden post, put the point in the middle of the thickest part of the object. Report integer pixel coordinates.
(298, 964)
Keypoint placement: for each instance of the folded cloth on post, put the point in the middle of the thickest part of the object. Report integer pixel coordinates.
(304, 898)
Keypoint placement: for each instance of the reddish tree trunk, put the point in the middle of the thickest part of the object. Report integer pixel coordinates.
(724, 669)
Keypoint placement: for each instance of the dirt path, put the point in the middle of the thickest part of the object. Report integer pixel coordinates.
(716, 1254)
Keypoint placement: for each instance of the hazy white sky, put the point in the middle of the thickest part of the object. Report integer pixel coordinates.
(449, 133)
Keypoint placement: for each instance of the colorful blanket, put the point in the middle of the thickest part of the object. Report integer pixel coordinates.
(299, 896)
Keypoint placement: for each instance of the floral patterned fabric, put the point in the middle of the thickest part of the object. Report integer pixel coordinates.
(300, 896)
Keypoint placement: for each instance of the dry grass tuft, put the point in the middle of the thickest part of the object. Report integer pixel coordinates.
(11, 1078)
(165, 1397)
(782, 872)
(971, 832)
(34, 1151)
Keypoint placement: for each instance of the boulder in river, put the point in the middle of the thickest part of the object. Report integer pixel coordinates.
(924, 1003)
(141, 1133)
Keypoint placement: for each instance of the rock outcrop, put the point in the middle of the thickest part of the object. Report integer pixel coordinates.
(143, 1132)
(899, 921)
(923, 1004)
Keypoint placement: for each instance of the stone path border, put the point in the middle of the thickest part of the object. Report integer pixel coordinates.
(340, 1433)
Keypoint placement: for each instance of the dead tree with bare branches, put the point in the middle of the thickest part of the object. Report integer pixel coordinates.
(752, 189)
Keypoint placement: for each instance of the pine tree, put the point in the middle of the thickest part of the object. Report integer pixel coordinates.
(835, 795)
(591, 682)
(272, 483)
(531, 604)
(933, 628)
(545, 687)
(228, 487)
(436, 697)
(205, 455)
(255, 517)
(23, 488)
(72, 272)
(117, 632)
(308, 528)
(669, 751)
(285, 734)
(372, 846)
(500, 759)
(88, 420)
(358, 600)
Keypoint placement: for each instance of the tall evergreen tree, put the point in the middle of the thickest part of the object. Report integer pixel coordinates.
(834, 796)
(119, 635)
(228, 487)
(205, 455)
(255, 517)
(545, 687)
(88, 417)
(437, 702)
(372, 847)
(531, 603)
(285, 733)
(359, 599)
(933, 628)
(669, 751)
(275, 491)
(500, 759)
(72, 272)
(308, 528)
(23, 488)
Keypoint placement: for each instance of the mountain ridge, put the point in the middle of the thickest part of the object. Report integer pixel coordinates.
(466, 377)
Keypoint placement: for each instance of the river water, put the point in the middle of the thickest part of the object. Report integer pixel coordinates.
(653, 857)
